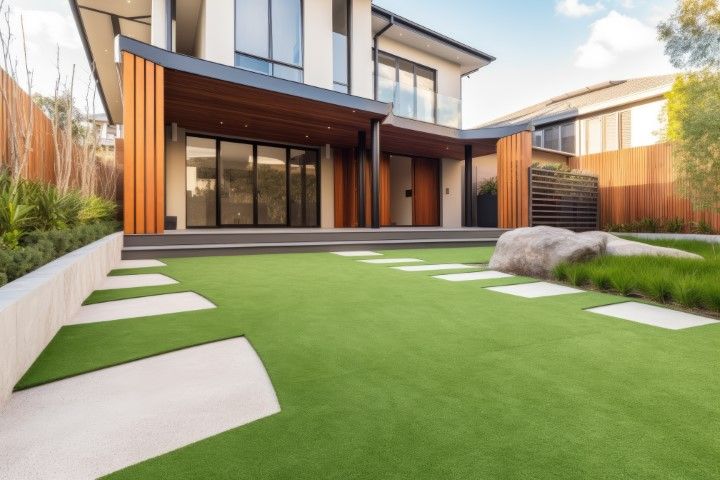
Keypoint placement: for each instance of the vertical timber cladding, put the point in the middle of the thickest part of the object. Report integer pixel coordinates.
(144, 148)
(346, 189)
(514, 156)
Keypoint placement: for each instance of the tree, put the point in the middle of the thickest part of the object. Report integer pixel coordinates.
(694, 128)
(692, 36)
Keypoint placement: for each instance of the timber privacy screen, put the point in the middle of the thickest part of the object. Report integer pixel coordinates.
(563, 199)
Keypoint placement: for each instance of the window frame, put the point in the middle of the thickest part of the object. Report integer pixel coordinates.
(255, 144)
(349, 51)
(270, 61)
(398, 58)
(543, 132)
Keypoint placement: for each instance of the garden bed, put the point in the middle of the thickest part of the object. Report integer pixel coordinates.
(685, 283)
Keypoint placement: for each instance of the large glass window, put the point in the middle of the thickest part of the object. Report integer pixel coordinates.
(341, 36)
(236, 183)
(268, 37)
(567, 138)
(271, 185)
(200, 182)
(303, 188)
(411, 87)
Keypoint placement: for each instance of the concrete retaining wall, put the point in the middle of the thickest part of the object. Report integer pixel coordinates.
(674, 236)
(35, 306)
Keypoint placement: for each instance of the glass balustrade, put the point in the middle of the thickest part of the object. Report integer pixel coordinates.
(419, 103)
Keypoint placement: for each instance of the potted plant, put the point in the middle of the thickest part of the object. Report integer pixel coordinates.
(487, 203)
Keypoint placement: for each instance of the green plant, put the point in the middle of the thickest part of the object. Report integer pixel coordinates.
(702, 227)
(674, 225)
(488, 186)
(15, 217)
(97, 209)
(648, 225)
(688, 292)
(660, 289)
(578, 276)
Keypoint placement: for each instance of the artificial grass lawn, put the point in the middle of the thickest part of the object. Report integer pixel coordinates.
(388, 374)
(692, 284)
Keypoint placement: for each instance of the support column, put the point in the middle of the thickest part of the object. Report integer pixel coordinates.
(375, 141)
(468, 221)
(361, 159)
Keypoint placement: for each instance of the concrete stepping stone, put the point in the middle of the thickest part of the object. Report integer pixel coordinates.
(653, 315)
(535, 290)
(134, 281)
(358, 253)
(470, 276)
(141, 307)
(439, 266)
(140, 264)
(386, 261)
(97, 423)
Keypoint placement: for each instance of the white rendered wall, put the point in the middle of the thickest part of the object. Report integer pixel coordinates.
(327, 189)
(401, 207)
(175, 178)
(451, 177)
(157, 23)
(219, 31)
(317, 30)
(361, 50)
(647, 123)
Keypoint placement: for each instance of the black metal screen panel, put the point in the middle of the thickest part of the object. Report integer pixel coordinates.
(563, 199)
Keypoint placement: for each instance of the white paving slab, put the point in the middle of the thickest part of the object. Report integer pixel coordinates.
(387, 261)
(94, 424)
(141, 307)
(140, 264)
(653, 315)
(470, 276)
(134, 281)
(431, 268)
(535, 290)
(358, 253)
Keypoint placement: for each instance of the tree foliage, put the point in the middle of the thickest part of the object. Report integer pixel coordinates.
(692, 34)
(694, 128)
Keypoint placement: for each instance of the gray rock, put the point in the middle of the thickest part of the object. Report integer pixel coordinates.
(536, 251)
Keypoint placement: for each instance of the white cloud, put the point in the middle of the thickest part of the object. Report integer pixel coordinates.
(612, 37)
(575, 8)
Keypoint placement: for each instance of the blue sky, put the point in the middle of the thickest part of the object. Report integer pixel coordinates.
(543, 47)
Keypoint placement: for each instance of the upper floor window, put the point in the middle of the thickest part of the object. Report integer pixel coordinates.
(409, 86)
(608, 132)
(268, 37)
(556, 137)
(341, 45)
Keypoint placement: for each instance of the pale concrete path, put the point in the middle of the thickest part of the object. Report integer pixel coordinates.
(134, 281)
(653, 315)
(94, 424)
(389, 261)
(141, 307)
(536, 290)
(431, 268)
(471, 276)
(358, 253)
(140, 264)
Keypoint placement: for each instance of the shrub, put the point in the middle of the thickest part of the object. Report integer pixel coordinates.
(674, 225)
(648, 225)
(97, 209)
(659, 289)
(702, 227)
(488, 186)
(623, 284)
(688, 292)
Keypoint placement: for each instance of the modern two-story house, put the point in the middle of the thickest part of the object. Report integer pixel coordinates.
(284, 113)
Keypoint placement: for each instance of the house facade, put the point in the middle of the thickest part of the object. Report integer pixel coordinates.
(285, 113)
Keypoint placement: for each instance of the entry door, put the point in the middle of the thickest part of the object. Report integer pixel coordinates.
(426, 192)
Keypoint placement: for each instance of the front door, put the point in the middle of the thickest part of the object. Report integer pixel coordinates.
(426, 192)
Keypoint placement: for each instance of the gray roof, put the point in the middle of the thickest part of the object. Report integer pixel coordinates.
(570, 104)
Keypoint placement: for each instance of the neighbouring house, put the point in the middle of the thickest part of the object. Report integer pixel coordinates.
(609, 116)
(285, 113)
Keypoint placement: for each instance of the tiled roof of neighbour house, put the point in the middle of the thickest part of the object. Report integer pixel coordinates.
(582, 101)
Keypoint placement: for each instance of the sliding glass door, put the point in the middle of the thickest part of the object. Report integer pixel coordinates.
(235, 184)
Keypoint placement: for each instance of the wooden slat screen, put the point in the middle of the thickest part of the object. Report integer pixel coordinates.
(563, 199)
(514, 156)
(637, 183)
(144, 148)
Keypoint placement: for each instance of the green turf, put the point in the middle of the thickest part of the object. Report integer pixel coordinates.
(383, 374)
(688, 283)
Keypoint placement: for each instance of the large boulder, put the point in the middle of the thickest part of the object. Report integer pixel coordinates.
(536, 251)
